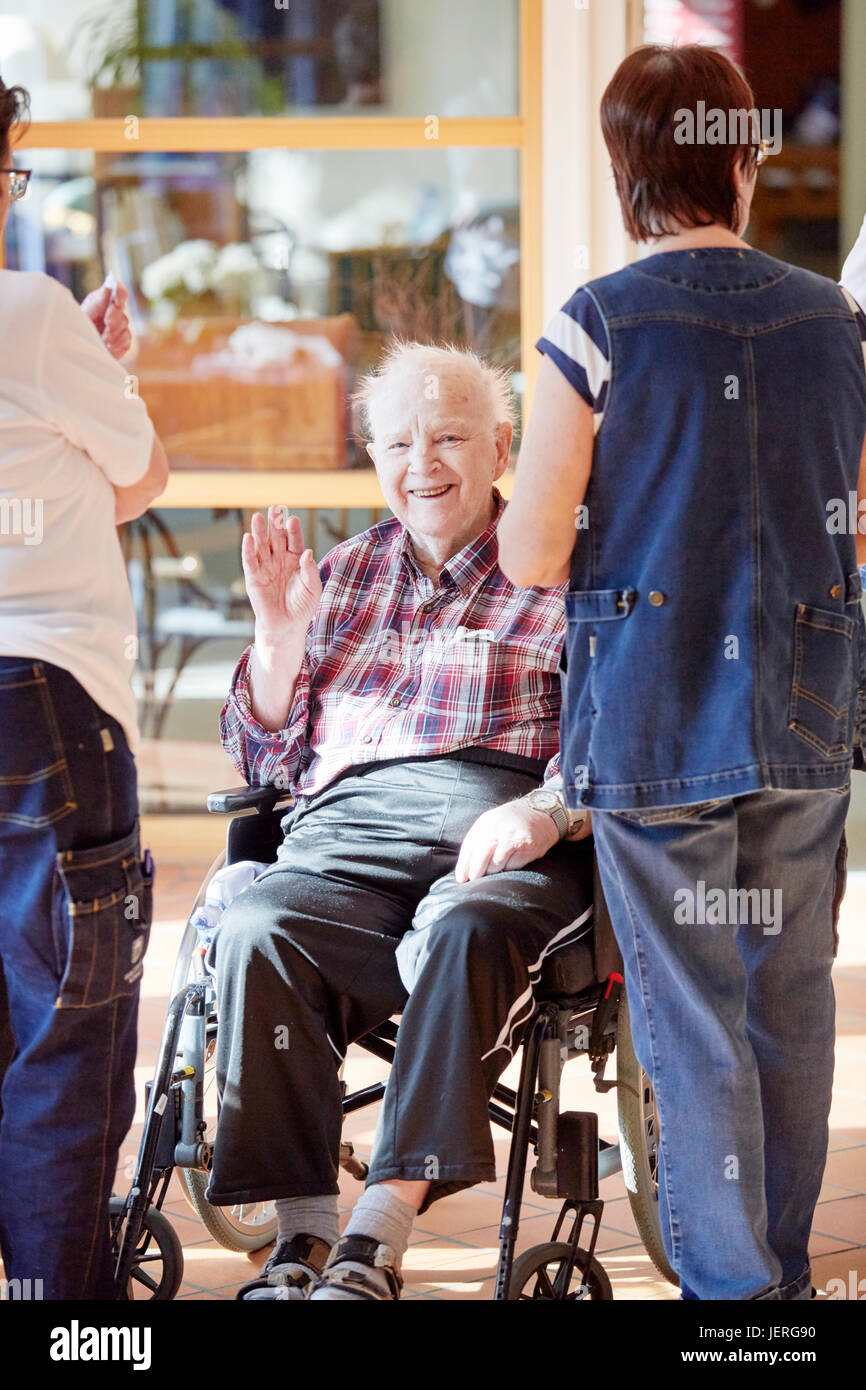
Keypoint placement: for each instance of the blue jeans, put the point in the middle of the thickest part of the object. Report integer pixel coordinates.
(75, 917)
(732, 1013)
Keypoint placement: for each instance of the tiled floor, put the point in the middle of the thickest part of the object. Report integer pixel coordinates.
(454, 1248)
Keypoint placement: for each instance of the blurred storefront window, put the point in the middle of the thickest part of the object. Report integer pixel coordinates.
(262, 283)
(98, 58)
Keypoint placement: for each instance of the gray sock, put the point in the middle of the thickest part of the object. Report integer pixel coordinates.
(308, 1216)
(380, 1214)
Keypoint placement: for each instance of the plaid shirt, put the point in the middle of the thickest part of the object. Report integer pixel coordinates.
(398, 667)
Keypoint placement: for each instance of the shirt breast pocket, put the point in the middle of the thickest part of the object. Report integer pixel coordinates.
(524, 678)
(459, 665)
(823, 683)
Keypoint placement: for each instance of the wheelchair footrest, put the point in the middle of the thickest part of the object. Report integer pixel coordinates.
(574, 1173)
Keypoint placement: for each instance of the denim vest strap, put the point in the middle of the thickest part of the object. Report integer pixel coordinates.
(715, 640)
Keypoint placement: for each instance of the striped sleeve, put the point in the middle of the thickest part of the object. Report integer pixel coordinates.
(576, 340)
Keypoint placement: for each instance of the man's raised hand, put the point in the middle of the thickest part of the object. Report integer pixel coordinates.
(282, 577)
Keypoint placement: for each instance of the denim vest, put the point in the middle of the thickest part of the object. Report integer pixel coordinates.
(715, 640)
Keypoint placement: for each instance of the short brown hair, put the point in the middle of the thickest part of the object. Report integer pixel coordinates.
(14, 112)
(658, 181)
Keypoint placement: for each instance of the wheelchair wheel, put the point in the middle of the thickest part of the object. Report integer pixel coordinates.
(638, 1144)
(246, 1226)
(541, 1273)
(157, 1269)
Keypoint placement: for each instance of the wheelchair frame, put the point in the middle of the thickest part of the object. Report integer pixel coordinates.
(571, 1157)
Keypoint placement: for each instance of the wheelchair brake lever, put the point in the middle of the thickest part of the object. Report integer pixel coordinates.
(599, 1048)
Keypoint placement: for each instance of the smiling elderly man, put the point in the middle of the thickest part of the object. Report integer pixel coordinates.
(408, 694)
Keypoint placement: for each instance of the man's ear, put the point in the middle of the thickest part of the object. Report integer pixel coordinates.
(371, 451)
(504, 435)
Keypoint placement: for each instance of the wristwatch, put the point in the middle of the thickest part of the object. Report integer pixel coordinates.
(565, 820)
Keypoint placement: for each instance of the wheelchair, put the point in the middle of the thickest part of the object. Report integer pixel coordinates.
(580, 1010)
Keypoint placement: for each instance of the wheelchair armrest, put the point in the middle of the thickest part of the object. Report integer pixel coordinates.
(234, 799)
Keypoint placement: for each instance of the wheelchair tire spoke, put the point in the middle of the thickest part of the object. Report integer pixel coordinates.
(140, 1276)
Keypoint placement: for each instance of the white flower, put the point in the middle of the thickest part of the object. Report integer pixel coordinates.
(238, 258)
(189, 266)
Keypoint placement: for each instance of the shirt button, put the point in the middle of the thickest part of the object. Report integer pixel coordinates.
(368, 738)
(835, 590)
(656, 597)
(395, 701)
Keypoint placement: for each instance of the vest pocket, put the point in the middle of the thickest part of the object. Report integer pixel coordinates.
(598, 605)
(103, 910)
(823, 686)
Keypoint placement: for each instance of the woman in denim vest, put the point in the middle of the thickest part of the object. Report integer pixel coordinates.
(692, 467)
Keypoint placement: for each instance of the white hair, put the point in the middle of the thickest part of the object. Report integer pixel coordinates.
(493, 381)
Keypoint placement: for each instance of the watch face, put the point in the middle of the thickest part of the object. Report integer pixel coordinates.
(544, 801)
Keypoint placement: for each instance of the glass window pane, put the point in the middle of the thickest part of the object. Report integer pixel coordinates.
(82, 58)
(262, 283)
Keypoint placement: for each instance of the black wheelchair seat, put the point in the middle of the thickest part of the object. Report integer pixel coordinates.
(566, 973)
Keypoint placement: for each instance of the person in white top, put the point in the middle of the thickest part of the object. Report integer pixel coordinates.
(78, 455)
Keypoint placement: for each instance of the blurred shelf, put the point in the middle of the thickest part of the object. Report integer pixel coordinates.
(342, 487)
(353, 132)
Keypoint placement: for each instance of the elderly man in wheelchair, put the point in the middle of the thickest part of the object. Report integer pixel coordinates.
(407, 694)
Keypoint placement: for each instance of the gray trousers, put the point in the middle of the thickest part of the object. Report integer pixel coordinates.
(305, 962)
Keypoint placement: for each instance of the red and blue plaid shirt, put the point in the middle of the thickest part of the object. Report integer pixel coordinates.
(398, 667)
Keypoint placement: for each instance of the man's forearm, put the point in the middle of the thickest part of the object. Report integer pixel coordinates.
(274, 668)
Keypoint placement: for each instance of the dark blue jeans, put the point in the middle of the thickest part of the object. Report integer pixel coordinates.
(75, 914)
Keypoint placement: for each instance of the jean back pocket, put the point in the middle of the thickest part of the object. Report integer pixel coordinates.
(35, 785)
(824, 681)
(103, 911)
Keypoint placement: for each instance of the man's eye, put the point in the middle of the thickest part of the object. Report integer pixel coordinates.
(450, 439)
(399, 445)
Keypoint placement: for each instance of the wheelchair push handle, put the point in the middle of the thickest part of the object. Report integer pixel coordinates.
(234, 799)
